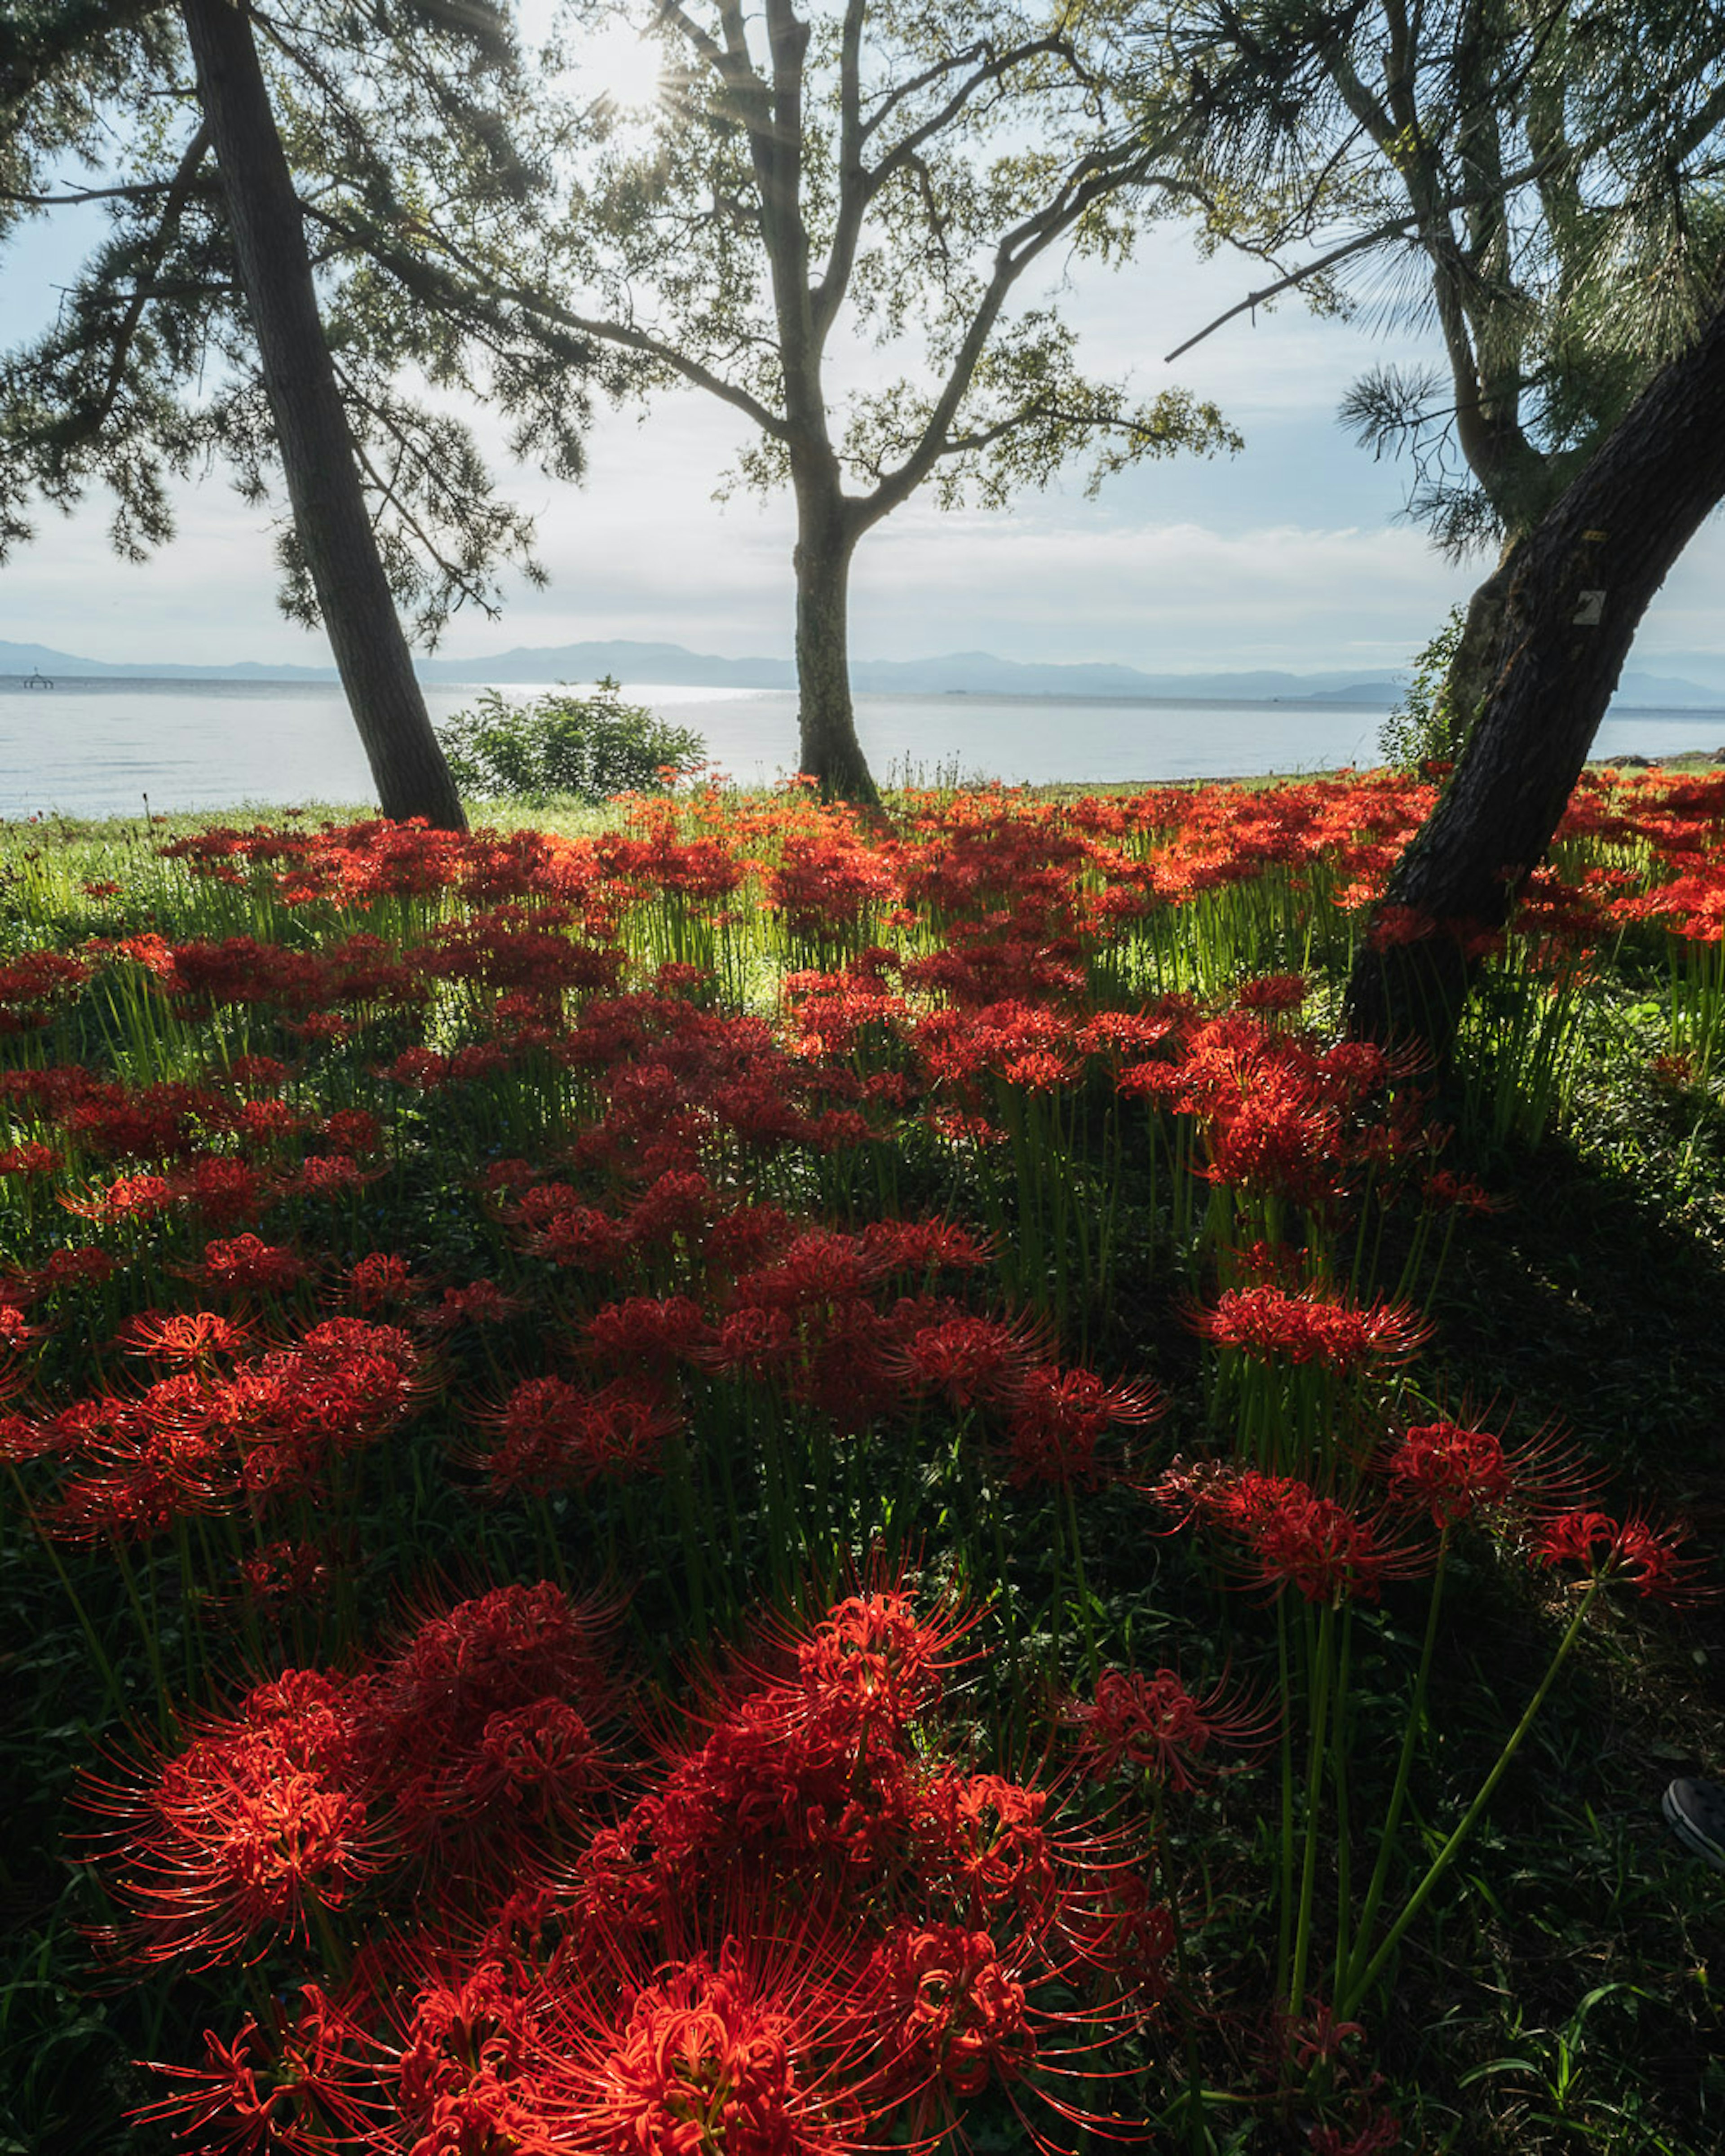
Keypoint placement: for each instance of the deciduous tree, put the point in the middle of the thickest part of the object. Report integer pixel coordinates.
(891, 170)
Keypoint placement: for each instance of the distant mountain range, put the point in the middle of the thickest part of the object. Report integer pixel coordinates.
(961, 673)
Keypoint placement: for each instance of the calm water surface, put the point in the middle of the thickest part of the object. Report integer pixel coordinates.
(97, 748)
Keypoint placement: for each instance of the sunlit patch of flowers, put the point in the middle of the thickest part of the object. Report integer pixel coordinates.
(591, 1374)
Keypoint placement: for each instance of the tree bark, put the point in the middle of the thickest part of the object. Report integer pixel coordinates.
(1580, 584)
(1473, 663)
(828, 749)
(330, 517)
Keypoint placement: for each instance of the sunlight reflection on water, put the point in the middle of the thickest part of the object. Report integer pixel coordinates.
(88, 749)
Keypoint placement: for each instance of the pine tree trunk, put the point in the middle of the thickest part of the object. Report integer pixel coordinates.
(1580, 584)
(828, 749)
(1473, 663)
(330, 517)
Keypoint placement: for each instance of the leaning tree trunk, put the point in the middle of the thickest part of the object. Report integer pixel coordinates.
(828, 749)
(329, 517)
(1473, 663)
(1581, 582)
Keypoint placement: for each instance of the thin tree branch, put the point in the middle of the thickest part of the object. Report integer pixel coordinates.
(179, 190)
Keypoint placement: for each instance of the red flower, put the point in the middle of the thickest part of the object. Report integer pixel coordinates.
(1286, 1534)
(267, 2099)
(875, 1656)
(1154, 1724)
(1273, 1324)
(234, 1840)
(1631, 1549)
(1058, 1417)
(947, 2008)
(190, 1337)
(480, 1302)
(709, 2057)
(249, 1263)
(553, 1436)
(975, 1361)
(1450, 1472)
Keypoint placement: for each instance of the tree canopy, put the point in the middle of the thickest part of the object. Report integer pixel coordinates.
(1538, 181)
(395, 121)
(875, 174)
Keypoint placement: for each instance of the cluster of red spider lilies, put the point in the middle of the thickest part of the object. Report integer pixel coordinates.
(762, 1221)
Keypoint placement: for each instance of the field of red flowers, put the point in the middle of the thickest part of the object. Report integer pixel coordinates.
(768, 1484)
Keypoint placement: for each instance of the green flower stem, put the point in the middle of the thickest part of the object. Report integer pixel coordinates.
(111, 1682)
(1404, 1771)
(1321, 1658)
(1284, 1897)
(1338, 1779)
(1361, 1986)
(1194, 2071)
(147, 1631)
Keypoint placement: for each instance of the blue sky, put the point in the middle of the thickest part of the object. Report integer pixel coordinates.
(1291, 555)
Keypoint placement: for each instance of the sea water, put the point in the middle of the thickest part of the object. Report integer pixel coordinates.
(97, 748)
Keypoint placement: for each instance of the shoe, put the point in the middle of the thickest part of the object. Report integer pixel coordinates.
(1696, 1811)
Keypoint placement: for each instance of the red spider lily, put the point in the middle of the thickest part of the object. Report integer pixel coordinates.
(263, 1122)
(144, 1466)
(1117, 1927)
(1631, 1549)
(1450, 1472)
(973, 1361)
(32, 1158)
(508, 1648)
(380, 1278)
(1319, 1548)
(462, 2072)
(786, 1785)
(480, 1302)
(255, 1824)
(1059, 1416)
(351, 1131)
(16, 1330)
(1287, 1535)
(1375, 2133)
(876, 1659)
(284, 1574)
(238, 970)
(192, 1337)
(1155, 1726)
(128, 1198)
(649, 1330)
(1273, 991)
(330, 1175)
(552, 1435)
(947, 2009)
(281, 2097)
(1310, 1325)
(1459, 1194)
(148, 1121)
(248, 1264)
(32, 983)
(985, 1842)
(540, 1760)
(74, 1268)
(751, 2050)
(920, 1246)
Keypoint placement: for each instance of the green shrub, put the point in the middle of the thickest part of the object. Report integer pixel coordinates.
(592, 747)
(1422, 727)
